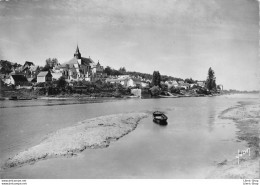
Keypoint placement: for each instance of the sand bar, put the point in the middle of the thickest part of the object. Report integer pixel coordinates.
(92, 133)
(246, 117)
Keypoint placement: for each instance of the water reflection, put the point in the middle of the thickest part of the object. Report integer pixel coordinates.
(211, 113)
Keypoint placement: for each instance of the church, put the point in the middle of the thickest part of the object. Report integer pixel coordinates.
(80, 68)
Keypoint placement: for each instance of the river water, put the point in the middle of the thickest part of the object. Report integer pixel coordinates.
(190, 146)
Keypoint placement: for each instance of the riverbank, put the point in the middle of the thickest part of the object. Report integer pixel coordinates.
(97, 132)
(246, 118)
(21, 96)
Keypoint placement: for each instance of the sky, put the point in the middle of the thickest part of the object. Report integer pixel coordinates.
(180, 38)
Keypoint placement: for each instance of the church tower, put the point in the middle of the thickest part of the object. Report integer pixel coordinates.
(77, 54)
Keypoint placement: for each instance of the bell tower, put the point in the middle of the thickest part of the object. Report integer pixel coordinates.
(77, 54)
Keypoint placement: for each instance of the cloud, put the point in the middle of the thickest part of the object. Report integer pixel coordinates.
(115, 11)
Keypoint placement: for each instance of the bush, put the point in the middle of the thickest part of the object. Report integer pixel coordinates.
(164, 87)
(175, 90)
(155, 91)
(61, 83)
(40, 84)
(203, 91)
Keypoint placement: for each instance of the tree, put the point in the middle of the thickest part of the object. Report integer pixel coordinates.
(108, 70)
(156, 81)
(211, 80)
(61, 83)
(122, 70)
(50, 63)
(164, 87)
(155, 91)
(5, 67)
(175, 90)
(164, 78)
(189, 80)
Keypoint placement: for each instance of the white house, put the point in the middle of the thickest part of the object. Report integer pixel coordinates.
(201, 83)
(184, 85)
(132, 82)
(191, 85)
(44, 76)
(127, 82)
(117, 81)
(56, 75)
(144, 84)
(8, 80)
(171, 83)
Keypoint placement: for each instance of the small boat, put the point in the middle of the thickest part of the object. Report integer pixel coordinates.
(13, 98)
(160, 118)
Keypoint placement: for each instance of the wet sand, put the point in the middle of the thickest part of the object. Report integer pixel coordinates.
(67, 142)
(246, 118)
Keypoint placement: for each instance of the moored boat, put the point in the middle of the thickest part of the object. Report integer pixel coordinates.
(13, 98)
(160, 118)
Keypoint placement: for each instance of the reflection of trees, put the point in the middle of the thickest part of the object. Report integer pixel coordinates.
(211, 112)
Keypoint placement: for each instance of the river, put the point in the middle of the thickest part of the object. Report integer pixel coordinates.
(190, 146)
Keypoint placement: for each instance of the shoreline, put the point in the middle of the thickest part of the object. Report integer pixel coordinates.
(22, 97)
(246, 118)
(92, 133)
(83, 97)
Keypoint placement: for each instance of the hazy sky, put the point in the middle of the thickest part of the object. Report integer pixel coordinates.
(181, 38)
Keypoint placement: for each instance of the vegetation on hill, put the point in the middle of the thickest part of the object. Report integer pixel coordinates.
(7, 67)
(50, 63)
(101, 88)
(122, 71)
(86, 88)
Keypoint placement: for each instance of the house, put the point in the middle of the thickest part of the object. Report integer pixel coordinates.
(56, 75)
(16, 68)
(132, 82)
(171, 84)
(28, 64)
(17, 80)
(44, 76)
(184, 85)
(97, 70)
(193, 85)
(117, 81)
(201, 83)
(35, 70)
(30, 70)
(6, 79)
(144, 84)
(127, 82)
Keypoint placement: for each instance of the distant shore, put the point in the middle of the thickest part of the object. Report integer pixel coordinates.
(79, 96)
(246, 118)
(30, 94)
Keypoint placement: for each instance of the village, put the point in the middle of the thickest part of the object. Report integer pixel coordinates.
(81, 75)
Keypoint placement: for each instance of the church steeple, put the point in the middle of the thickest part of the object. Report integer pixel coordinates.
(77, 53)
